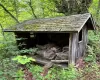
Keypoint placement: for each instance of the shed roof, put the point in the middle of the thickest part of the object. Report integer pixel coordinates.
(73, 23)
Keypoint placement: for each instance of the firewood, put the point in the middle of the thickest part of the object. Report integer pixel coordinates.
(59, 61)
(65, 49)
(61, 56)
(51, 51)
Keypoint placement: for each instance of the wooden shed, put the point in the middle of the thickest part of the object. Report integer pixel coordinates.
(71, 31)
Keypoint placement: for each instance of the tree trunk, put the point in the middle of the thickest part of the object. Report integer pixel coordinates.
(30, 5)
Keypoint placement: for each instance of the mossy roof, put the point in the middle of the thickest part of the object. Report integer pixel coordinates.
(73, 23)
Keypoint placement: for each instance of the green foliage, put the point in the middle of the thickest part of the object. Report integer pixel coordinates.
(22, 11)
(95, 10)
(91, 57)
(19, 74)
(36, 70)
(23, 59)
(94, 36)
(8, 49)
(29, 51)
(54, 73)
(94, 45)
(69, 74)
(8, 69)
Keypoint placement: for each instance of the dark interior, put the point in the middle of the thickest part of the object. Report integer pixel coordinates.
(80, 35)
(32, 39)
(60, 39)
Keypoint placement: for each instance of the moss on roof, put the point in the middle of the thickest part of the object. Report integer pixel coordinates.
(65, 23)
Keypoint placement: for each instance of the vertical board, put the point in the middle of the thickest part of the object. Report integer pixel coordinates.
(85, 39)
(73, 47)
(82, 44)
(80, 49)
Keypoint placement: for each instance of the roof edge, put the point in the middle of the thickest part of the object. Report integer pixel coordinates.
(92, 22)
(40, 31)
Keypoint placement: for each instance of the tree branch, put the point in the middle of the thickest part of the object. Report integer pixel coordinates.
(16, 8)
(98, 9)
(7, 11)
(30, 5)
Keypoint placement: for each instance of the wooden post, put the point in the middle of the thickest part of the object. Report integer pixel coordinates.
(73, 47)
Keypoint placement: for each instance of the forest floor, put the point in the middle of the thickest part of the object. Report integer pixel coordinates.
(9, 70)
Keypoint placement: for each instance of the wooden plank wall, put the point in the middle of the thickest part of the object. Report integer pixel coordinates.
(77, 49)
(82, 44)
(85, 39)
(73, 47)
(80, 49)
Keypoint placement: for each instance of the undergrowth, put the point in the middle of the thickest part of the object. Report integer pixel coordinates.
(10, 70)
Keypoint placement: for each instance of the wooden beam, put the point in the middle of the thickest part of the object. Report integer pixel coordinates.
(59, 61)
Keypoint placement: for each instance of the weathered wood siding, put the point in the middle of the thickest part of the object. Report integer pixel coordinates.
(77, 48)
(85, 39)
(80, 49)
(82, 44)
(73, 45)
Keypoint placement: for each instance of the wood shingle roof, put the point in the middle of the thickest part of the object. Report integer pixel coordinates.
(73, 23)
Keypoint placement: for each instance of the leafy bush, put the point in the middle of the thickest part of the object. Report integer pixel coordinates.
(54, 73)
(91, 57)
(23, 59)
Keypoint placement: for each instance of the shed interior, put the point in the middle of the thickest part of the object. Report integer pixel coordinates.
(32, 39)
(51, 46)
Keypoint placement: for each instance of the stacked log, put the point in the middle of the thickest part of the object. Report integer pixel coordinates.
(53, 52)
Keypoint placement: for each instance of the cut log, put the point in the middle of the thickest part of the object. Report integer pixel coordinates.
(41, 60)
(59, 61)
(48, 65)
(53, 52)
(62, 56)
(45, 62)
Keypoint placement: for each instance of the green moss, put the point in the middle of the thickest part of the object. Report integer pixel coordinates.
(13, 28)
(31, 27)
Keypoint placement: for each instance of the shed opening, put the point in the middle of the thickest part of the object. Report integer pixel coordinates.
(52, 46)
(59, 39)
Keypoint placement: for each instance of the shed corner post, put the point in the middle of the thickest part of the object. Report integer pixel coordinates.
(73, 48)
